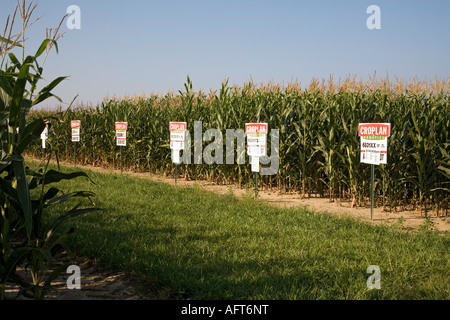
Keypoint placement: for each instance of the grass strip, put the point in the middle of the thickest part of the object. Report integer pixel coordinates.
(209, 246)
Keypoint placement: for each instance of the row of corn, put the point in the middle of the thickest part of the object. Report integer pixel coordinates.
(319, 149)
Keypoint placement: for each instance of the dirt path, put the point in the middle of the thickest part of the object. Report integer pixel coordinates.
(100, 283)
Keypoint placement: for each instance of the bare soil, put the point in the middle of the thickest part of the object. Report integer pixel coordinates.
(100, 283)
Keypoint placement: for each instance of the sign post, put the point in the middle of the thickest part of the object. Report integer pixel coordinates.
(76, 127)
(256, 146)
(121, 138)
(177, 141)
(374, 143)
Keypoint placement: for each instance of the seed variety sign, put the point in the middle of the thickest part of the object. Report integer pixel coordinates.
(374, 142)
(76, 126)
(256, 139)
(256, 142)
(177, 138)
(121, 133)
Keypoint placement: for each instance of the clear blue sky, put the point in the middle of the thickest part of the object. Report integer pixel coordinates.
(139, 47)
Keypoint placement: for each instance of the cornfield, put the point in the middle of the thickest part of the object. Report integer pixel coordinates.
(318, 126)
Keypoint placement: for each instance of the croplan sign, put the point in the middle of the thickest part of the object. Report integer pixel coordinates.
(76, 126)
(234, 143)
(256, 142)
(256, 139)
(374, 142)
(177, 139)
(121, 134)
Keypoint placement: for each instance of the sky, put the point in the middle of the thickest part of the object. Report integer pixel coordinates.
(139, 47)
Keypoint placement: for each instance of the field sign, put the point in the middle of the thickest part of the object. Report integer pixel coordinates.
(44, 135)
(374, 142)
(121, 133)
(76, 126)
(177, 139)
(256, 146)
(256, 139)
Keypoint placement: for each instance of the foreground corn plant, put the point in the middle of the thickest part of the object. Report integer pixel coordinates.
(23, 239)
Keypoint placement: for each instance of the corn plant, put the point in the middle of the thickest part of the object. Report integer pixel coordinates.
(26, 194)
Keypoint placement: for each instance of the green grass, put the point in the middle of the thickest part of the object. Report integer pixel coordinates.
(209, 246)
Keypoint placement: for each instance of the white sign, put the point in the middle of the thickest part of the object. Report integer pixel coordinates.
(121, 133)
(76, 126)
(374, 142)
(177, 139)
(44, 135)
(177, 135)
(256, 139)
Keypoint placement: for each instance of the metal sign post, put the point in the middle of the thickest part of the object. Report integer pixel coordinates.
(121, 162)
(256, 185)
(176, 173)
(372, 183)
(75, 154)
(374, 137)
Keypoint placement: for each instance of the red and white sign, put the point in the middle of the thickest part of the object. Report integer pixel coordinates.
(76, 126)
(121, 126)
(177, 135)
(256, 140)
(374, 142)
(177, 126)
(261, 128)
(121, 133)
(375, 129)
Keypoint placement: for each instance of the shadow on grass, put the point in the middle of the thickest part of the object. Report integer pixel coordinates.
(229, 271)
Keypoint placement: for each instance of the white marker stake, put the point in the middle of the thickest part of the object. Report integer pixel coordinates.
(44, 136)
(176, 156)
(255, 164)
